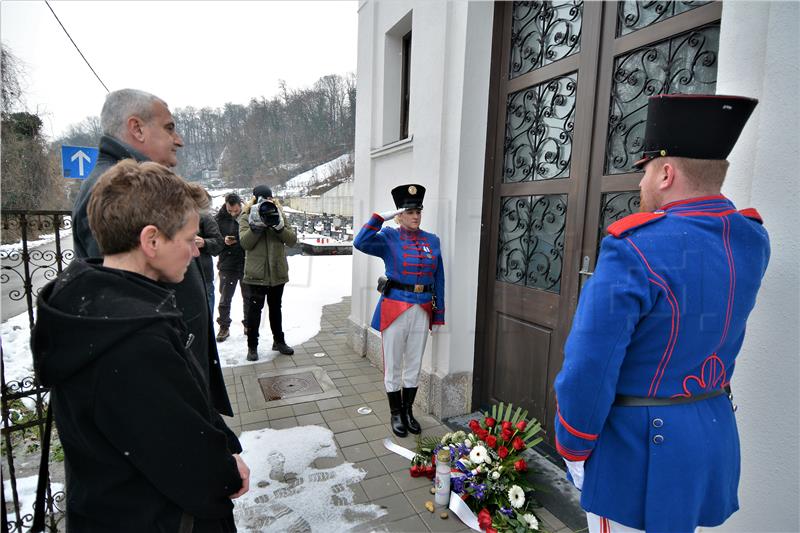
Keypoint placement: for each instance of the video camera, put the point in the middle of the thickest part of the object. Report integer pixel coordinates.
(268, 212)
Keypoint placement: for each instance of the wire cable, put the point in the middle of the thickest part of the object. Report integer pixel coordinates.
(76, 47)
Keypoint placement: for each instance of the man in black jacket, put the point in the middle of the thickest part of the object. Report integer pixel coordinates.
(230, 264)
(209, 242)
(139, 125)
(145, 449)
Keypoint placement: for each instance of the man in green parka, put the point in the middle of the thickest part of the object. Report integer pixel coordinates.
(264, 234)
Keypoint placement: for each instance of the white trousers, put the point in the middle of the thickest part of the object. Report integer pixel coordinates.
(403, 345)
(599, 524)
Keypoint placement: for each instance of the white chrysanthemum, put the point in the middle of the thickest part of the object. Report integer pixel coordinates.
(495, 475)
(459, 435)
(467, 443)
(446, 438)
(478, 455)
(516, 496)
(531, 520)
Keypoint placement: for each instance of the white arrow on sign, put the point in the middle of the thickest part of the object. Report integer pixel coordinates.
(81, 157)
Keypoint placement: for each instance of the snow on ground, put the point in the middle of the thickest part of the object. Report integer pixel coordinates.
(314, 281)
(300, 184)
(17, 358)
(287, 493)
(8, 249)
(26, 491)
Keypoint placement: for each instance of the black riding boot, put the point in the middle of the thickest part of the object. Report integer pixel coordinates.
(408, 416)
(396, 408)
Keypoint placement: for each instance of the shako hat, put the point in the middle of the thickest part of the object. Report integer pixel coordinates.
(408, 196)
(699, 126)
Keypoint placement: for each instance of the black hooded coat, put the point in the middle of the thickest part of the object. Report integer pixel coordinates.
(143, 442)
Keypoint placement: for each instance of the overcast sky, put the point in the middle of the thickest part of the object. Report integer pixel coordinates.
(187, 52)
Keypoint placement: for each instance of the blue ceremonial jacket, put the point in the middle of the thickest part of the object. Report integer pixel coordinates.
(411, 258)
(663, 316)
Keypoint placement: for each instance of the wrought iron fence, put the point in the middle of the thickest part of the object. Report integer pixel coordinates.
(25, 267)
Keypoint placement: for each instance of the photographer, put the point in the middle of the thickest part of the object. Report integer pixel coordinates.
(230, 264)
(264, 234)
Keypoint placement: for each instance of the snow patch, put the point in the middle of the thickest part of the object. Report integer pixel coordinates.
(26, 491)
(287, 493)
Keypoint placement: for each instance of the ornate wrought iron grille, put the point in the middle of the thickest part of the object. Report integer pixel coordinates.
(686, 63)
(542, 33)
(634, 15)
(614, 206)
(530, 249)
(539, 126)
(24, 401)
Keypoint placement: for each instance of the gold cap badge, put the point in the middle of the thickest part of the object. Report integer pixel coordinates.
(412, 189)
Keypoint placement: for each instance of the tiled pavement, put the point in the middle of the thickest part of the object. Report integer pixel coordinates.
(359, 437)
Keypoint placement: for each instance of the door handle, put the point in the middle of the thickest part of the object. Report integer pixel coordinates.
(584, 271)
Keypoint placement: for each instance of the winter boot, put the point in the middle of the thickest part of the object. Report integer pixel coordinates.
(279, 343)
(396, 408)
(252, 354)
(223, 334)
(408, 416)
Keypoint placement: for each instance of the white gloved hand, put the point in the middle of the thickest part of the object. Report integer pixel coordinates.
(576, 471)
(388, 215)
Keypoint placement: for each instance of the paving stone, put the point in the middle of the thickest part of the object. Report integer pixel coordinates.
(311, 419)
(373, 468)
(373, 396)
(330, 403)
(347, 390)
(305, 408)
(378, 448)
(340, 426)
(283, 423)
(364, 387)
(349, 438)
(380, 487)
(329, 462)
(376, 432)
(398, 507)
(275, 413)
(359, 452)
(254, 416)
(349, 401)
(407, 483)
(394, 462)
(334, 414)
(359, 379)
(365, 421)
(412, 524)
(336, 374)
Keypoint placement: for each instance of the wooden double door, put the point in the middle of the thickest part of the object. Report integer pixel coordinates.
(568, 96)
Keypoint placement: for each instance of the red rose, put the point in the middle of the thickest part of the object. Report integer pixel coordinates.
(505, 434)
(521, 465)
(502, 451)
(415, 471)
(484, 519)
(491, 440)
(433, 459)
(506, 425)
(482, 434)
(518, 443)
(430, 472)
(521, 425)
(474, 425)
(489, 421)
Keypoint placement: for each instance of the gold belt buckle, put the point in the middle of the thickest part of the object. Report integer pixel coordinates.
(419, 288)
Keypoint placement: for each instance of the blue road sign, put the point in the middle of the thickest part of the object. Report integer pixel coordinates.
(77, 162)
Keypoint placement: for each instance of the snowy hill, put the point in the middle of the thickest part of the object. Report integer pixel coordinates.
(327, 174)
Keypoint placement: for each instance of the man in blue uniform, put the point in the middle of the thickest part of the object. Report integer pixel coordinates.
(645, 421)
(412, 302)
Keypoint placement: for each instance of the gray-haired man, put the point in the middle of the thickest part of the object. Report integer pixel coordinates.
(138, 125)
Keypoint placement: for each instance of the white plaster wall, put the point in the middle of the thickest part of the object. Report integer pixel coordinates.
(450, 63)
(759, 57)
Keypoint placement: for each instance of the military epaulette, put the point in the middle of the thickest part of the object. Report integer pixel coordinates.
(631, 222)
(752, 214)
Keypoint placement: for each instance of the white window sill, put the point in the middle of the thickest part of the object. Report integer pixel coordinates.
(398, 146)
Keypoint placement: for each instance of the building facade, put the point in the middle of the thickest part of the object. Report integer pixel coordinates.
(523, 121)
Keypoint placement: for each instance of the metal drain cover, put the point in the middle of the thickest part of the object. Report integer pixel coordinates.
(280, 387)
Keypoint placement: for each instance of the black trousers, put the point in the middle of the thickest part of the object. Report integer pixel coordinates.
(227, 288)
(256, 295)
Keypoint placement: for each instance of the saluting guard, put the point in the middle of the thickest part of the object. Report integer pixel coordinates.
(644, 417)
(412, 297)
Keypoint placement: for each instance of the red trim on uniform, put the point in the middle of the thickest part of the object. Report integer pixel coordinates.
(376, 215)
(373, 228)
(606, 527)
(692, 201)
(726, 242)
(407, 273)
(566, 454)
(390, 310)
(631, 221)
(752, 214)
(572, 430)
(717, 378)
(705, 213)
(674, 325)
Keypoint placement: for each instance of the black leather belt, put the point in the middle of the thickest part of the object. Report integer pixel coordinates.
(392, 284)
(638, 401)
